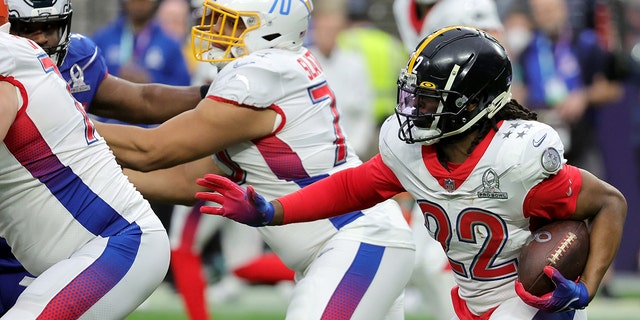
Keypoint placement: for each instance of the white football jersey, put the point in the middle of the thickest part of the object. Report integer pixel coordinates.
(476, 210)
(307, 144)
(60, 186)
(410, 29)
(482, 14)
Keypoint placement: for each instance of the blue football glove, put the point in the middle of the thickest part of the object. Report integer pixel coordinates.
(247, 207)
(568, 295)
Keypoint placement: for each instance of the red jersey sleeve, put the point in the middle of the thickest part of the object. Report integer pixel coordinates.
(345, 191)
(555, 197)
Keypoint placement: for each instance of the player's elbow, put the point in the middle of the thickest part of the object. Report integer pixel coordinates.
(618, 204)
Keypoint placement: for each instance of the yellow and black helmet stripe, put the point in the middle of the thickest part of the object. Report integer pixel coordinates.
(426, 42)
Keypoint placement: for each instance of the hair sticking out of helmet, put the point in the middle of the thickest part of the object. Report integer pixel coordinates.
(230, 29)
(456, 77)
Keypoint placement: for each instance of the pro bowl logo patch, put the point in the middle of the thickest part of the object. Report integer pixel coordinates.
(77, 83)
(551, 160)
(491, 186)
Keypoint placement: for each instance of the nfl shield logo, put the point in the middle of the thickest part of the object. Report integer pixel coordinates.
(449, 185)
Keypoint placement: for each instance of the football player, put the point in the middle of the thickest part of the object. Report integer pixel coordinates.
(433, 276)
(70, 216)
(270, 119)
(483, 171)
(77, 58)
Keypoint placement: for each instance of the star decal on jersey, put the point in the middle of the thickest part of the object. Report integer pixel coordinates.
(525, 129)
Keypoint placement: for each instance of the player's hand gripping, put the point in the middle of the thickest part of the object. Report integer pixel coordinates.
(568, 295)
(236, 203)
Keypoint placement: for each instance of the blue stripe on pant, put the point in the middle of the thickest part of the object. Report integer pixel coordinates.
(355, 283)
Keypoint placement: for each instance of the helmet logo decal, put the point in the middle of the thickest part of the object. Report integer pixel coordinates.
(424, 44)
(428, 85)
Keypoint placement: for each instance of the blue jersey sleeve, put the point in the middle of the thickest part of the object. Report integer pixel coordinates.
(84, 68)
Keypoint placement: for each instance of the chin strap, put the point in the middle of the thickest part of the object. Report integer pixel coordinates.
(489, 111)
(499, 102)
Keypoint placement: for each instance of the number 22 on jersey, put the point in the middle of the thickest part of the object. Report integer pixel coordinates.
(483, 266)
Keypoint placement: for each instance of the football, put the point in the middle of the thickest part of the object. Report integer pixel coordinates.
(563, 245)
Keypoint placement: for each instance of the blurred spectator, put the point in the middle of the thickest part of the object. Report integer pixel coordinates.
(177, 17)
(518, 31)
(174, 17)
(383, 53)
(137, 49)
(347, 74)
(565, 72)
(619, 125)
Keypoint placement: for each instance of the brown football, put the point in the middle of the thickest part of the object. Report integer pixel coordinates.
(563, 245)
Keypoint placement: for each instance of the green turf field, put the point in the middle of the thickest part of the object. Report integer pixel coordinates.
(266, 303)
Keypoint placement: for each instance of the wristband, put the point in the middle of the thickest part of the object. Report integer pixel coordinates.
(204, 89)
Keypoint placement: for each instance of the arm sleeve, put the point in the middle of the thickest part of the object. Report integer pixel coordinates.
(555, 197)
(345, 191)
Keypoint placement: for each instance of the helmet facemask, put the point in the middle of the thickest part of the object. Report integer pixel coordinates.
(216, 46)
(251, 25)
(427, 114)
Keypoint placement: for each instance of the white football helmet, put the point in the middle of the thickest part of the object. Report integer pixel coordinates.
(27, 16)
(256, 25)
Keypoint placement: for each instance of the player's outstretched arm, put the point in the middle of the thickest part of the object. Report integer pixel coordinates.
(194, 134)
(149, 103)
(173, 185)
(349, 190)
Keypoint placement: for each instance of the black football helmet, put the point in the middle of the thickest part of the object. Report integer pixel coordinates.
(455, 77)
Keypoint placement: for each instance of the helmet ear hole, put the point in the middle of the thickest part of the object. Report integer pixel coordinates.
(271, 37)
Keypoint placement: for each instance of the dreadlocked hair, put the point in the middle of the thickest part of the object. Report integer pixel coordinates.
(511, 111)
